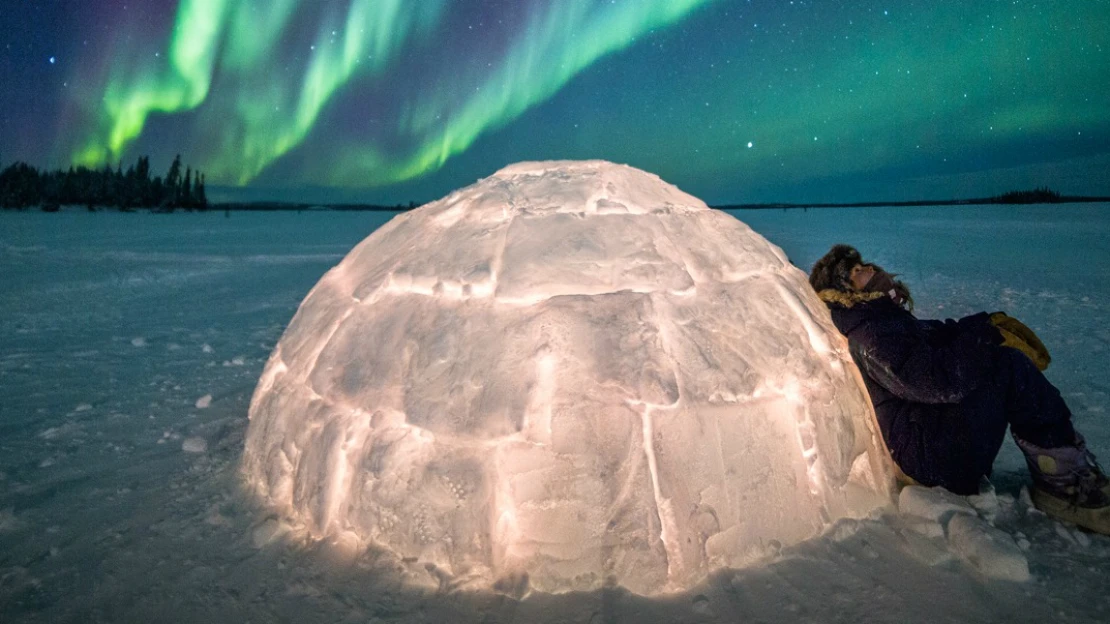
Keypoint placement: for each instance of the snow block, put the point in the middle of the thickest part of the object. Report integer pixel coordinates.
(924, 541)
(267, 531)
(932, 503)
(990, 550)
(569, 372)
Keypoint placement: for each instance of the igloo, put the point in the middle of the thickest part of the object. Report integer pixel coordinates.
(571, 373)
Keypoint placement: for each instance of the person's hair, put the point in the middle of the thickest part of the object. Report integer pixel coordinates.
(834, 272)
(834, 269)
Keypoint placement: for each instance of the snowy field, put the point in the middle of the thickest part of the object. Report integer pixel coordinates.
(130, 345)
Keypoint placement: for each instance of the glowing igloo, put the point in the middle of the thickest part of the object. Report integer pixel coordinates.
(569, 370)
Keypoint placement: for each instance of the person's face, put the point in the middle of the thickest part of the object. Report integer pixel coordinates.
(861, 274)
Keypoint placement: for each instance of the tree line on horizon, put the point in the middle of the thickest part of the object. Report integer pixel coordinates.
(23, 186)
(1039, 195)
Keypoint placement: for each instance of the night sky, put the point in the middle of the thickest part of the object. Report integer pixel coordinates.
(732, 100)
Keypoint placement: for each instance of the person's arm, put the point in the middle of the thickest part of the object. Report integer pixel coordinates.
(898, 356)
(950, 329)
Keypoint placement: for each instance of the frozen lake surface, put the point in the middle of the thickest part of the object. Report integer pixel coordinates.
(130, 345)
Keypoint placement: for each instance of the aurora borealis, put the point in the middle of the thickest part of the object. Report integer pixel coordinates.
(733, 100)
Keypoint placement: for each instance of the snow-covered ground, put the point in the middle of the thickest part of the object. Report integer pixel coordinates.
(130, 345)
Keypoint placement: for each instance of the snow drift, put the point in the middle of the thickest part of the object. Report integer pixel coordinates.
(571, 373)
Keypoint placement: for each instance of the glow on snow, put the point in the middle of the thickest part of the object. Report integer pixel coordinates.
(570, 373)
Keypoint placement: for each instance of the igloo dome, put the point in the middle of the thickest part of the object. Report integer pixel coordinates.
(571, 373)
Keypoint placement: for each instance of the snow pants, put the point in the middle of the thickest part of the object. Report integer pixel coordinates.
(954, 445)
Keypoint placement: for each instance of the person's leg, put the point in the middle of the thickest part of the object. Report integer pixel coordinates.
(955, 445)
(1036, 411)
(951, 446)
(1067, 482)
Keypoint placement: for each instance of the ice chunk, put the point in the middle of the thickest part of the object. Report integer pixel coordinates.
(926, 527)
(267, 531)
(932, 503)
(924, 541)
(570, 373)
(992, 551)
(194, 445)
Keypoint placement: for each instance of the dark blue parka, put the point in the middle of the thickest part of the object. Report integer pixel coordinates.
(935, 387)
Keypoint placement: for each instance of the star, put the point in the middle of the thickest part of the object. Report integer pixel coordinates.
(467, 103)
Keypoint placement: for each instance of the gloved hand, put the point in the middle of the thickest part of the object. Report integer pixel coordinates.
(1017, 335)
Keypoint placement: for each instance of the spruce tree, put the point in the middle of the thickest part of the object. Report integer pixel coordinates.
(187, 189)
(173, 182)
(201, 197)
(142, 181)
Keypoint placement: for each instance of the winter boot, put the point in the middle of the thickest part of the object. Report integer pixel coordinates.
(1069, 485)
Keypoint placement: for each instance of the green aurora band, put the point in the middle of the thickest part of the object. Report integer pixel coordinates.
(220, 65)
(183, 85)
(361, 94)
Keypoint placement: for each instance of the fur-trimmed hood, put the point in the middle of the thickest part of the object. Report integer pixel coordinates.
(834, 269)
(831, 278)
(848, 299)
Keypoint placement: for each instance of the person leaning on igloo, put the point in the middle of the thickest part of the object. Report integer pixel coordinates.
(944, 392)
